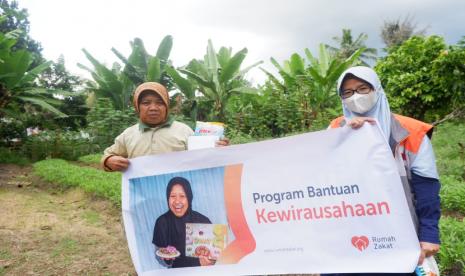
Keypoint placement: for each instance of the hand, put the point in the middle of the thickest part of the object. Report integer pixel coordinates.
(358, 122)
(117, 163)
(205, 261)
(222, 142)
(427, 249)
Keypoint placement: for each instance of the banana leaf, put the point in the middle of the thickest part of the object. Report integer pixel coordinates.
(233, 66)
(44, 105)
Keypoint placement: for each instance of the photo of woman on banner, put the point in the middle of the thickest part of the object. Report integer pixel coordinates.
(363, 100)
(170, 228)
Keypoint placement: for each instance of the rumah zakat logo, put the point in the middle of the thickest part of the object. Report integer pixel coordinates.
(361, 243)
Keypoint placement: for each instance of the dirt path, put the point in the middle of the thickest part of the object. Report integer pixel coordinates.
(45, 231)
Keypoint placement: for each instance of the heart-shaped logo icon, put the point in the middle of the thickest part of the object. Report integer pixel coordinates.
(361, 243)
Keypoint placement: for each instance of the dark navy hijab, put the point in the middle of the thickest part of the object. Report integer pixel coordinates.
(171, 230)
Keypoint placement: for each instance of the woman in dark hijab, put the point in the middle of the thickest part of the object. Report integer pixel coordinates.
(170, 228)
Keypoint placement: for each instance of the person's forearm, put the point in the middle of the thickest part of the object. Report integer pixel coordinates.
(427, 207)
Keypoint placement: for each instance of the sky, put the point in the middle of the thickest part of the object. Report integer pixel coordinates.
(267, 28)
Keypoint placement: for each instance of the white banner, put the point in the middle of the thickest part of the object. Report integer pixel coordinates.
(322, 202)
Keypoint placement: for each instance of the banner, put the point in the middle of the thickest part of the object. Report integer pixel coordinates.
(322, 202)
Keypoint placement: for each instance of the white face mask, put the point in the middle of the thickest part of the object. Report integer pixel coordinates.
(361, 103)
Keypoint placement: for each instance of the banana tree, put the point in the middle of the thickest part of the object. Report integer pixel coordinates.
(217, 77)
(324, 73)
(17, 81)
(119, 82)
(187, 88)
(313, 79)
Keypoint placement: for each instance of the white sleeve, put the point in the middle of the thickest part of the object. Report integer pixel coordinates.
(424, 162)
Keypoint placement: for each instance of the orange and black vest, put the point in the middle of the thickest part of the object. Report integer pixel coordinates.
(407, 132)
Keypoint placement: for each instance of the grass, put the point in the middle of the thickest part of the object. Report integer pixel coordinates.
(10, 157)
(65, 247)
(92, 217)
(451, 255)
(449, 146)
(97, 182)
(90, 159)
(5, 254)
(449, 142)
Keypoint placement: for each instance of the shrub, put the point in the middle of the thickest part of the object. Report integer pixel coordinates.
(10, 129)
(67, 145)
(423, 77)
(97, 182)
(451, 257)
(449, 146)
(8, 156)
(452, 194)
(105, 123)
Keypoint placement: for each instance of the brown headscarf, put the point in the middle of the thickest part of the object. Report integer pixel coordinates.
(154, 87)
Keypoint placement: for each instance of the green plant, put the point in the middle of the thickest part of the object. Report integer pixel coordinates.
(16, 20)
(452, 194)
(96, 182)
(17, 80)
(91, 158)
(451, 257)
(421, 79)
(305, 99)
(449, 145)
(118, 83)
(58, 144)
(105, 123)
(8, 156)
(218, 77)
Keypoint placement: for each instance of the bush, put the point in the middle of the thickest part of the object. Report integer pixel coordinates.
(97, 182)
(452, 194)
(449, 146)
(277, 113)
(105, 123)
(11, 129)
(8, 156)
(423, 77)
(67, 145)
(451, 257)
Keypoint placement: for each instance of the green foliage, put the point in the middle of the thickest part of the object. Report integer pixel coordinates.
(451, 257)
(105, 123)
(11, 129)
(449, 145)
(73, 103)
(57, 77)
(421, 79)
(448, 142)
(16, 20)
(449, 76)
(91, 158)
(8, 156)
(96, 182)
(304, 100)
(58, 144)
(235, 137)
(119, 83)
(17, 81)
(452, 194)
(218, 77)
